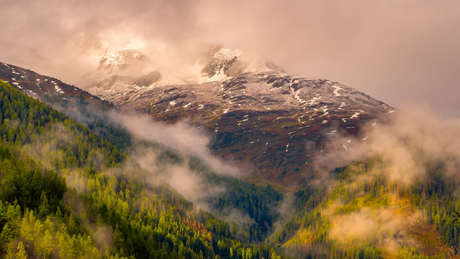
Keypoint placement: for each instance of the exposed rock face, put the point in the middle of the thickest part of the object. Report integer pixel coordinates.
(45, 88)
(272, 123)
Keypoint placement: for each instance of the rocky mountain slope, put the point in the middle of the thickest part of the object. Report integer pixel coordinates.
(272, 123)
(45, 88)
(82, 106)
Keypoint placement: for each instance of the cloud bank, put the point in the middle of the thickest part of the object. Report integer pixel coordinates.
(409, 141)
(393, 50)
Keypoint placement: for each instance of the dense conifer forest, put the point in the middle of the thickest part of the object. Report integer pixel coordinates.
(422, 210)
(70, 190)
(69, 193)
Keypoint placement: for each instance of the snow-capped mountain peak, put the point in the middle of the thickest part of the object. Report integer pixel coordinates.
(219, 64)
(117, 60)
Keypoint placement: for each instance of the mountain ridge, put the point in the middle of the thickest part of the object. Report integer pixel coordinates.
(272, 124)
(241, 109)
(319, 221)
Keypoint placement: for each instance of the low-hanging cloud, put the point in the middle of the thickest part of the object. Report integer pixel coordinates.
(187, 142)
(180, 137)
(187, 182)
(405, 144)
(384, 227)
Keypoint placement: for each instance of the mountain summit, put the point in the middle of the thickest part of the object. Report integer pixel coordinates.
(273, 123)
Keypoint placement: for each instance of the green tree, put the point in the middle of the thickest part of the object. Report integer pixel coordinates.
(45, 244)
(21, 253)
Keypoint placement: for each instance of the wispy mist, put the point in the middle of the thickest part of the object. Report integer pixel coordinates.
(180, 137)
(405, 151)
(406, 143)
(188, 183)
(384, 227)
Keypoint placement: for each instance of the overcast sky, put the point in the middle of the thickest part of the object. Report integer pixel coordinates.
(393, 50)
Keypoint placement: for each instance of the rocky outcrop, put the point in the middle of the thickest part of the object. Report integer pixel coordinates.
(272, 123)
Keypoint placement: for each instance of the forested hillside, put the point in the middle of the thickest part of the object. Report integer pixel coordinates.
(364, 215)
(68, 193)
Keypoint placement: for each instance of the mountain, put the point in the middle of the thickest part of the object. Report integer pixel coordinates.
(96, 113)
(272, 123)
(73, 101)
(67, 193)
(43, 87)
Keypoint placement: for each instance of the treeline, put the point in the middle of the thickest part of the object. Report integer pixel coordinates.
(96, 115)
(67, 191)
(104, 190)
(258, 203)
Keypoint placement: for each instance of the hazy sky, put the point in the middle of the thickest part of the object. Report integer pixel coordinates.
(393, 50)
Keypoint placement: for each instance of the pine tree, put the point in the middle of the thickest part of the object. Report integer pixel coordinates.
(44, 208)
(21, 254)
(7, 234)
(45, 244)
